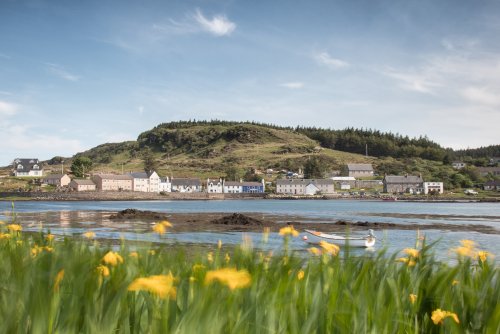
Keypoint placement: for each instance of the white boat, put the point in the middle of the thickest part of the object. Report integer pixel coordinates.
(352, 241)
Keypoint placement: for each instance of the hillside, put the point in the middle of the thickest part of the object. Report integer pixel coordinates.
(210, 149)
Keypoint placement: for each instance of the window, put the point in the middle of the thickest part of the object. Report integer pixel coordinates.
(20, 167)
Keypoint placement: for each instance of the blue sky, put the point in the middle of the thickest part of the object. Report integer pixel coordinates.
(75, 74)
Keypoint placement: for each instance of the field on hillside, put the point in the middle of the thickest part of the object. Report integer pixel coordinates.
(80, 285)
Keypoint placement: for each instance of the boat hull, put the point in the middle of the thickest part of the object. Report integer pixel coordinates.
(316, 237)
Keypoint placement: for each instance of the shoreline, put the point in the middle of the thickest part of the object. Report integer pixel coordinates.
(138, 196)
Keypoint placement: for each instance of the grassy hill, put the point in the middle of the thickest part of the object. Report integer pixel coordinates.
(211, 149)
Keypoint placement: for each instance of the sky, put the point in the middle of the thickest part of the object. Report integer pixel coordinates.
(76, 74)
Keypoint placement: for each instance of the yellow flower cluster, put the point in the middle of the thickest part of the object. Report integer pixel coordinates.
(59, 278)
(413, 298)
(89, 235)
(37, 250)
(289, 230)
(468, 249)
(233, 278)
(102, 270)
(329, 248)
(439, 315)
(5, 236)
(161, 227)
(112, 258)
(413, 255)
(14, 228)
(160, 285)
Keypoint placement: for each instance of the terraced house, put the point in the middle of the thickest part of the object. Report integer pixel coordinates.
(112, 182)
(305, 186)
(146, 182)
(403, 184)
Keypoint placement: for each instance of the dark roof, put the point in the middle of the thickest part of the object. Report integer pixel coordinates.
(113, 176)
(232, 183)
(403, 179)
(27, 164)
(83, 182)
(363, 167)
(304, 181)
(141, 175)
(186, 182)
(242, 184)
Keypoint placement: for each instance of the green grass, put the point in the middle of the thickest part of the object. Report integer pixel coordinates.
(288, 293)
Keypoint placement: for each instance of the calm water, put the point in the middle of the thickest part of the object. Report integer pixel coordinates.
(371, 211)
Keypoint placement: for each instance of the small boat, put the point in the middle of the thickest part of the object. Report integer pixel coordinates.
(352, 241)
(389, 199)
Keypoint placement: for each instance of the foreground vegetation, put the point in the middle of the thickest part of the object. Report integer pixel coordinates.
(81, 286)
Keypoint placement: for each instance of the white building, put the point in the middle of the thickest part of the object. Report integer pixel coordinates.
(458, 164)
(433, 187)
(305, 186)
(215, 186)
(27, 167)
(165, 185)
(146, 182)
(186, 185)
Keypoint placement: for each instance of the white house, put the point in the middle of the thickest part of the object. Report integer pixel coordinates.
(433, 188)
(146, 182)
(186, 185)
(165, 185)
(215, 186)
(27, 167)
(233, 187)
(458, 164)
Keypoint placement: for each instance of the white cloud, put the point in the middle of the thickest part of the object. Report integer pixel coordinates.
(324, 58)
(59, 71)
(219, 25)
(293, 85)
(141, 110)
(7, 108)
(418, 82)
(481, 95)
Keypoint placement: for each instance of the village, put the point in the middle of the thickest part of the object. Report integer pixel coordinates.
(358, 177)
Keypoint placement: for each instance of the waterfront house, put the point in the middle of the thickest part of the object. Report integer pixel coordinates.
(215, 186)
(165, 186)
(112, 182)
(145, 182)
(58, 180)
(492, 185)
(304, 186)
(433, 188)
(27, 167)
(186, 185)
(403, 184)
(82, 185)
(344, 182)
(233, 187)
(359, 170)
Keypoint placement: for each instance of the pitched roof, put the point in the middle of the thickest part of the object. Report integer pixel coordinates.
(403, 179)
(113, 177)
(83, 182)
(27, 164)
(141, 175)
(233, 184)
(242, 184)
(305, 181)
(186, 182)
(362, 167)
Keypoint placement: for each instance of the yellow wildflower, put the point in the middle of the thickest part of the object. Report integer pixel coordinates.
(103, 270)
(412, 252)
(192, 279)
(165, 223)
(112, 258)
(37, 250)
(49, 237)
(210, 257)
(5, 236)
(455, 282)
(468, 243)
(59, 278)
(219, 244)
(413, 298)
(152, 252)
(198, 267)
(300, 275)
(439, 315)
(329, 248)
(233, 278)
(314, 250)
(160, 285)
(410, 262)
(227, 258)
(289, 230)
(14, 227)
(467, 249)
(134, 255)
(159, 228)
(483, 255)
(89, 235)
